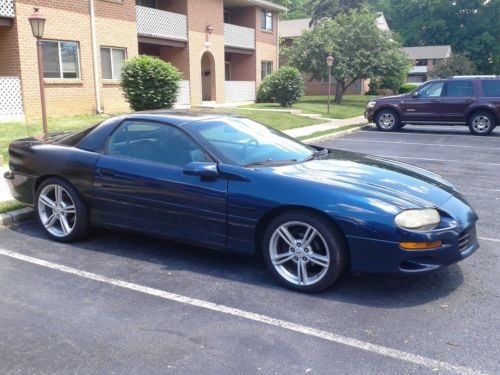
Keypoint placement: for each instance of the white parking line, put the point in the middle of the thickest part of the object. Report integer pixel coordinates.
(417, 144)
(445, 160)
(489, 239)
(329, 336)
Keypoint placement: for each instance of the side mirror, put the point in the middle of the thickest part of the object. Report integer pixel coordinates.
(415, 95)
(201, 169)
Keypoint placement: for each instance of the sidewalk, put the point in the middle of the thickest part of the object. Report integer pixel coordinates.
(308, 130)
(4, 190)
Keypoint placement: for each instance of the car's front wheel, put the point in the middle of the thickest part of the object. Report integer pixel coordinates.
(387, 120)
(61, 211)
(303, 251)
(481, 123)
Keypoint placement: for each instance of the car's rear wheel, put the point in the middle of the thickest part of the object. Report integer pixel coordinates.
(387, 120)
(481, 123)
(303, 251)
(61, 211)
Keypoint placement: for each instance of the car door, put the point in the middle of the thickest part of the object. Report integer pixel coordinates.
(458, 96)
(139, 183)
(423, 105)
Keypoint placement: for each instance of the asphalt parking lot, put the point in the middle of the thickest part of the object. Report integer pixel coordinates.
(124, 303)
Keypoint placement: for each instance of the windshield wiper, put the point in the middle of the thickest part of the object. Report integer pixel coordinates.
(317, 154)
(268, 162)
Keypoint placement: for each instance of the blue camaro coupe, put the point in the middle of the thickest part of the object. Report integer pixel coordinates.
(229, 183)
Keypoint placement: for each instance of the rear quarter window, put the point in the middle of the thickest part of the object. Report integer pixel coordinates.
(491, 88)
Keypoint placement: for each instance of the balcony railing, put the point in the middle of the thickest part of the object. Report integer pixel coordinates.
(239, 37)
(7, 8)
(11, 103)
(239, 91)
(156, 23)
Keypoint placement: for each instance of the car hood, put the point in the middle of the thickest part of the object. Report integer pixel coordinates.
(392, 97)
(404, 184)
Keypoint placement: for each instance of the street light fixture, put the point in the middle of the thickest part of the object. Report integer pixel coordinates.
(37, 22)
(329, 63)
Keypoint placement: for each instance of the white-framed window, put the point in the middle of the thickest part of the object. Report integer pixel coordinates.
(227, 66)
(60, 59)
(111, 62)
(266, 20)
(266, 68)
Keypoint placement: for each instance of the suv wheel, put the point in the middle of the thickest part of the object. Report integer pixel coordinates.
(387, 120)
(481, 123)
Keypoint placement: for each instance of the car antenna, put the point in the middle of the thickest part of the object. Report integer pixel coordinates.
(28, 130)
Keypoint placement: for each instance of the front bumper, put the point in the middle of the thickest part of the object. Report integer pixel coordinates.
(369, 255)
(369, 112)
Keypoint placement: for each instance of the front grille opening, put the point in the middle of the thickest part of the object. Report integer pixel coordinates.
(467, 238)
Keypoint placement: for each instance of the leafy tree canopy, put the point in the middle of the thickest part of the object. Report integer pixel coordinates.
(457, 64)
(320, 9)
(469, 26)
(360, 50)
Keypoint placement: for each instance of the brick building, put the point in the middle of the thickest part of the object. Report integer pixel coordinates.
(223, 48)
(426, 58)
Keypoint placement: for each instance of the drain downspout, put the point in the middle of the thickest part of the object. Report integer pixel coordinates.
(94, 58)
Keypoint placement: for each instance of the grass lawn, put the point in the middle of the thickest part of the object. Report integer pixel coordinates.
(10, 205)
(352, 106)
(328, 132)
(14, 130)
(10, 131)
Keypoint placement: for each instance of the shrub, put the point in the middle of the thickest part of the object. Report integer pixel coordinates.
(264, 91)
(285, 87)
(406, 87)
(149, 83)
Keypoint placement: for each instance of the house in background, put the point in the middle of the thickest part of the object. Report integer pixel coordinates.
(223, 48)
(426, 57)
(292, 29)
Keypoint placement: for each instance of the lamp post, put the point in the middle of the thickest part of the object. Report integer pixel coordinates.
(329, 63)
(37, 22)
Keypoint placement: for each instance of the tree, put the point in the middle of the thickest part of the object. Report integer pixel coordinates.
(457, 64)
(149, 83)
(296, 9)
(360, 50)
(469, 26)
(321, 9)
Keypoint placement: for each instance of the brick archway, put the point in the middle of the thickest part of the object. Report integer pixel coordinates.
(208, 81)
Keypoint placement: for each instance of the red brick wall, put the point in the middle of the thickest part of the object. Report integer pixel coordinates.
(242, 67)
(175, 6)
(203, 12)
(9, 52)
(179, 57)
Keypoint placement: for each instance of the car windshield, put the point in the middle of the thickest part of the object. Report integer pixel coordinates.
(243, 142)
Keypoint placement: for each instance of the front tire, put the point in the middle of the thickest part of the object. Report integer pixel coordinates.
(387, 120)
(481, 123)
(303, 251)
(61, 211)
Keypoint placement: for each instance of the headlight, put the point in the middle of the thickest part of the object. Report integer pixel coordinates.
(371, 104)
(422, 219)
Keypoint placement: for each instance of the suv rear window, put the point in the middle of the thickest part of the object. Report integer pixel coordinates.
(491, 88)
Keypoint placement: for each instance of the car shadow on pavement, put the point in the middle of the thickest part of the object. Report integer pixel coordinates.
(366, 290)
(435, 130)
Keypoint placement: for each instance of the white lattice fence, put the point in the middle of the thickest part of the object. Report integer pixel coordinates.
(239, 36)
(11, 104)
(7, 8)
(158, 23)
(183, 95)
(239, 91)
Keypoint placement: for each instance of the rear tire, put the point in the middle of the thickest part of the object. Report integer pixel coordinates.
(481, 123)
(61, 211)
(387, 120)
(303, 251)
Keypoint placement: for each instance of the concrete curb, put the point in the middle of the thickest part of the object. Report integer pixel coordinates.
(16, 216)
(332, 136)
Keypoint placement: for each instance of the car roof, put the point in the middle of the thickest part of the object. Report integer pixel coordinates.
(177, 117)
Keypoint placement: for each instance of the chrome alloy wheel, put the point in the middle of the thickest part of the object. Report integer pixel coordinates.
(387, 121)
(481, 124)
(299, 253)
(56, 210)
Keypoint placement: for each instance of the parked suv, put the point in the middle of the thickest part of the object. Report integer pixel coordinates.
(461, 100)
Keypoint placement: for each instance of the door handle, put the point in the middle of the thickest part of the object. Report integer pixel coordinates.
(105, 172)
(470, 100)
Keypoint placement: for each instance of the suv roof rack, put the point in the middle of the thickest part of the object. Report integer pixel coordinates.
(473, 76)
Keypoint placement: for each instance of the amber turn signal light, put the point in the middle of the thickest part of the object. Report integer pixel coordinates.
(420, 245)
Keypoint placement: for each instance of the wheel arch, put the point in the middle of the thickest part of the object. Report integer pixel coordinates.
(483, 109)
(274, 212)
(390, 107)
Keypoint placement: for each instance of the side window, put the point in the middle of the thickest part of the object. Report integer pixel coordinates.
(491, 88)
(431, 90)
(459, 89)
(154, 142)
